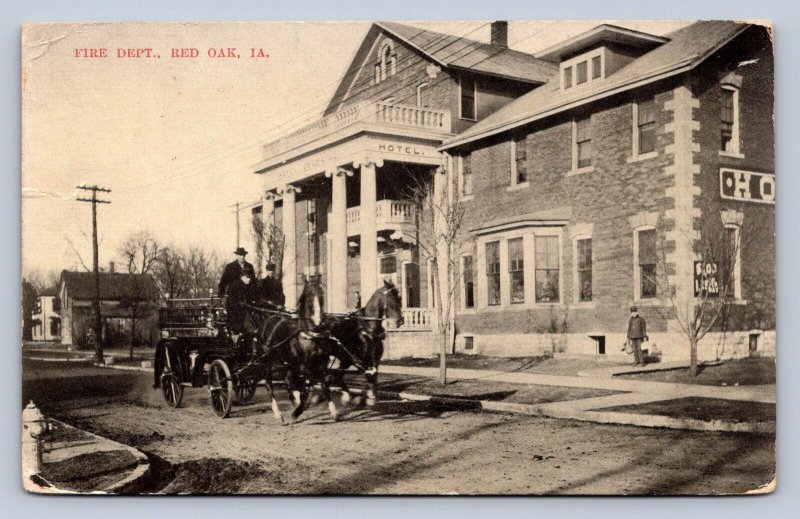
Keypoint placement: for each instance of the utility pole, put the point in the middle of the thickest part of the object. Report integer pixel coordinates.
(236, 205)
(98, 319)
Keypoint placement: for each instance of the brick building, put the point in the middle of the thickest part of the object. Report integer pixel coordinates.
(584, 171)
(600, 189)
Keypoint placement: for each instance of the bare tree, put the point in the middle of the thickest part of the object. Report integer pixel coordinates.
(202, 271)
(702, 309)
(140, 252)
(170, 274)
(269, 244)
(440, 238)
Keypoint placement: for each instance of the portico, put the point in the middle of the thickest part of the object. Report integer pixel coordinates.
(352, 173)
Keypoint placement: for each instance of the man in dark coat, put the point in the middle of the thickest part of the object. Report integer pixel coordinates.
(233, 270)
(270, 290)
(241, 292)
(637, 332)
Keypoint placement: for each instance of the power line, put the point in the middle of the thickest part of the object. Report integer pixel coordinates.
(316, 113)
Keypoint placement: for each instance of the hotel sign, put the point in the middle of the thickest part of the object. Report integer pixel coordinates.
(747, 186)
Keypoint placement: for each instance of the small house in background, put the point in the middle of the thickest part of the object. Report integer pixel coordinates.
(128, 305)
(46, 321)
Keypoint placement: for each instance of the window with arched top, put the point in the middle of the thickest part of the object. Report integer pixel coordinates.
(387, 62)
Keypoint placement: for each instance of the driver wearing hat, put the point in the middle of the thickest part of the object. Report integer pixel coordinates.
(233, 271)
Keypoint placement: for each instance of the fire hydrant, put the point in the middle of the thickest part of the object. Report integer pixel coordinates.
(34, 425)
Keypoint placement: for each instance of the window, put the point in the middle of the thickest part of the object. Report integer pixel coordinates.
(420, 88)
(582, 154)
(581, 75)
(646, 127)
(729, 120)
(520, 154)
(466, 175)
(468, 98)
(387, 65)
(647, 263)
(596, 67)
(582, 69)
(493, 273)
(516, 269)
(469, 282)
(584, 252)
(547, 269)
(388, 264)
(731, 284)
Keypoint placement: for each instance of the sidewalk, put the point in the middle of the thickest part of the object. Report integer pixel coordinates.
(78, 461)
(634, 392)
(764, 394)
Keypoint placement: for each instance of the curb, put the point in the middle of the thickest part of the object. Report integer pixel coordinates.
(126, 485)
(602, 417)
(52, 359)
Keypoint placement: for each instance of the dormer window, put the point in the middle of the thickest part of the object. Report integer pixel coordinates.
(584, 68)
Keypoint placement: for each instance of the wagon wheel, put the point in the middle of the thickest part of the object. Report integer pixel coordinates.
(245, 391)
(220, 386)
(171, 386)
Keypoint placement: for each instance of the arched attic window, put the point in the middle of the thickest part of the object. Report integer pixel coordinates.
(387, 65)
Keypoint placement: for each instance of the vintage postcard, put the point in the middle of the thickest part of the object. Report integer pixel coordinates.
(480, 257)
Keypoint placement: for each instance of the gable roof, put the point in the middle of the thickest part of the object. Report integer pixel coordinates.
(116, 286)
(686, 48)
(451, 51)
(462, 53)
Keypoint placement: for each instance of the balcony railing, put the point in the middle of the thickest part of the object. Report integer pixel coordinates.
(417, 319)
(366, 112)
(389, 214)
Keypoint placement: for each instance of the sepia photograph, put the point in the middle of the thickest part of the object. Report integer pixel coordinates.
(498, 257)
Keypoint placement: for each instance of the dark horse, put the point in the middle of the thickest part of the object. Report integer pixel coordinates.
(297, 344)
(357, 338)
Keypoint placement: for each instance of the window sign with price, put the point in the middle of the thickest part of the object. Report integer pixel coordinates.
(706, 283)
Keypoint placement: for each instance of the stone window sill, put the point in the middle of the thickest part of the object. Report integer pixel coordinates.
(521, 185)
(643, 156)
(467, 198)
(731, 154)
(580, 171)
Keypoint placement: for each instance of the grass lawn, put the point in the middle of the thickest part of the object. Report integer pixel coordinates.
(473, 389)
(744, 372)
(704, 409)
(545, 365)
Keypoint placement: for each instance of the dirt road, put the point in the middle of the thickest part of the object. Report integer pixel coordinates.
(393, 448)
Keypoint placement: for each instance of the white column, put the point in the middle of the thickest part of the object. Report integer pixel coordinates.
(337, 232)
(369, 228)
(267, 218)
(289, 266)
(441, 176)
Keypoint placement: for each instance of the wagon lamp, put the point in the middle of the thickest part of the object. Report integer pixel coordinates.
(34, 425)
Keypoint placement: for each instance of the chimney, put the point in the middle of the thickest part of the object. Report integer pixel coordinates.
(500, 34)
(111, 267)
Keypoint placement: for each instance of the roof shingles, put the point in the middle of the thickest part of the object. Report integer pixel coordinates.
(113, 286)
(687, 47)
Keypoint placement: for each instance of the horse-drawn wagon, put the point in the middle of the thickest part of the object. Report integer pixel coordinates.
(195, 349)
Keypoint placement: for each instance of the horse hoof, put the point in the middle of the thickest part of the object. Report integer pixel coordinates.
(371, 402)
(345, 398)
(313, 400)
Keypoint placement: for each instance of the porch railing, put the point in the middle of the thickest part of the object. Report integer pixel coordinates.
(418, 319)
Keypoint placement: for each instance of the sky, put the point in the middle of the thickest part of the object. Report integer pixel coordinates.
(175, 139)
